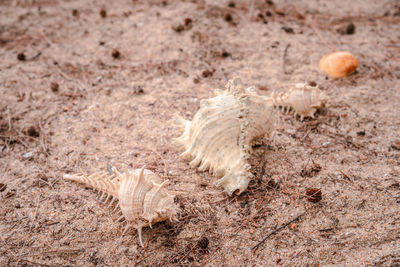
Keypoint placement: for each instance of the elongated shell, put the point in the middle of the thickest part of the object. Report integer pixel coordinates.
(304, 99)
(220, 136)
(143, 200)
(338, 64)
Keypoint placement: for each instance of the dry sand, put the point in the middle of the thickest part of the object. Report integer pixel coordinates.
(100, 88)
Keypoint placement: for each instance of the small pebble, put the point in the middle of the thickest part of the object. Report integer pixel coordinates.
(203, 243)
(314, 195)
(179, 28)
(188, 21)
(361, 133)
(347, 29)
(32, 131)
(75, 12)
(287, 29)
(206, 73)
(27, 155)
(312, 83)
(225, 54)
(395, 145)
(228, 18)
(326, 143)
(138, 89)
(103, 13)
(54, 86)
(116, 54)
(21, 57)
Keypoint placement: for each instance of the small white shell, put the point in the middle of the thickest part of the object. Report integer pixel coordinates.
(304, 99)
(142, 198)
(220, 136)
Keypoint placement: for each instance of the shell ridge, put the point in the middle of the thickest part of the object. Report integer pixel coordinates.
(223, 130)
(95, 181)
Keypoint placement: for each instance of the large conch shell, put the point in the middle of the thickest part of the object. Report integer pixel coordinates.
(304, 99)
(222, 132)
(143, 200)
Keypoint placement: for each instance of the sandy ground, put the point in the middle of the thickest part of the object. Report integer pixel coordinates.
(96, 83)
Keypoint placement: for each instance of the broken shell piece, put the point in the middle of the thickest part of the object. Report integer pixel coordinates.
(222, 132)
(143, 200)
(338, 64)
(304, 99)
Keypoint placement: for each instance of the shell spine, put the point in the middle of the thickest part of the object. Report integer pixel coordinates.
(220, 136)
(142, 198)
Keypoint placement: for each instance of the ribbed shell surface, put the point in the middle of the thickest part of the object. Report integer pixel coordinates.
(142, 198)
(304, 99)
(220, 136)
(131, 194)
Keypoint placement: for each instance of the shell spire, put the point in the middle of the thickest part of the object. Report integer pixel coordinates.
(303, 99)
(220, 136)
(143, 199)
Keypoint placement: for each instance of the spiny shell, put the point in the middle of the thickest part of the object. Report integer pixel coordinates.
(142, 198)
(338, 64)
(304, 99)
(220, 136)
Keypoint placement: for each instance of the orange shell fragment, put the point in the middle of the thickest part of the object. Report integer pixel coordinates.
(338, 64)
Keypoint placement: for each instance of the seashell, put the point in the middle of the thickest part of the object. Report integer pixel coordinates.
(222, 132)
(304, 99)
(142, 198)
(338, 64)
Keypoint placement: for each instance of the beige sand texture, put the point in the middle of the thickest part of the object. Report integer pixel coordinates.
(96, 83)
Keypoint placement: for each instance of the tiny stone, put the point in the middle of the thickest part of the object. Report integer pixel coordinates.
(115, 54)
(21, 56)
(54, 87)
(312, 83)
(138, 89)
(228, 18)
(188, 21)
(395, 145)
(361, 133)
(27, 155)
(326, 143)
(350, 28)
(225, 54)
(314, 195)
(103, 13)
(347, 29)
(287, 29)
(206, 73)
(75, 12)
(203, 243)
(32, 131)
(179, 28)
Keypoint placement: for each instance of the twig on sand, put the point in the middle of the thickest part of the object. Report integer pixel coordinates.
(284, 59)
(276, 230)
